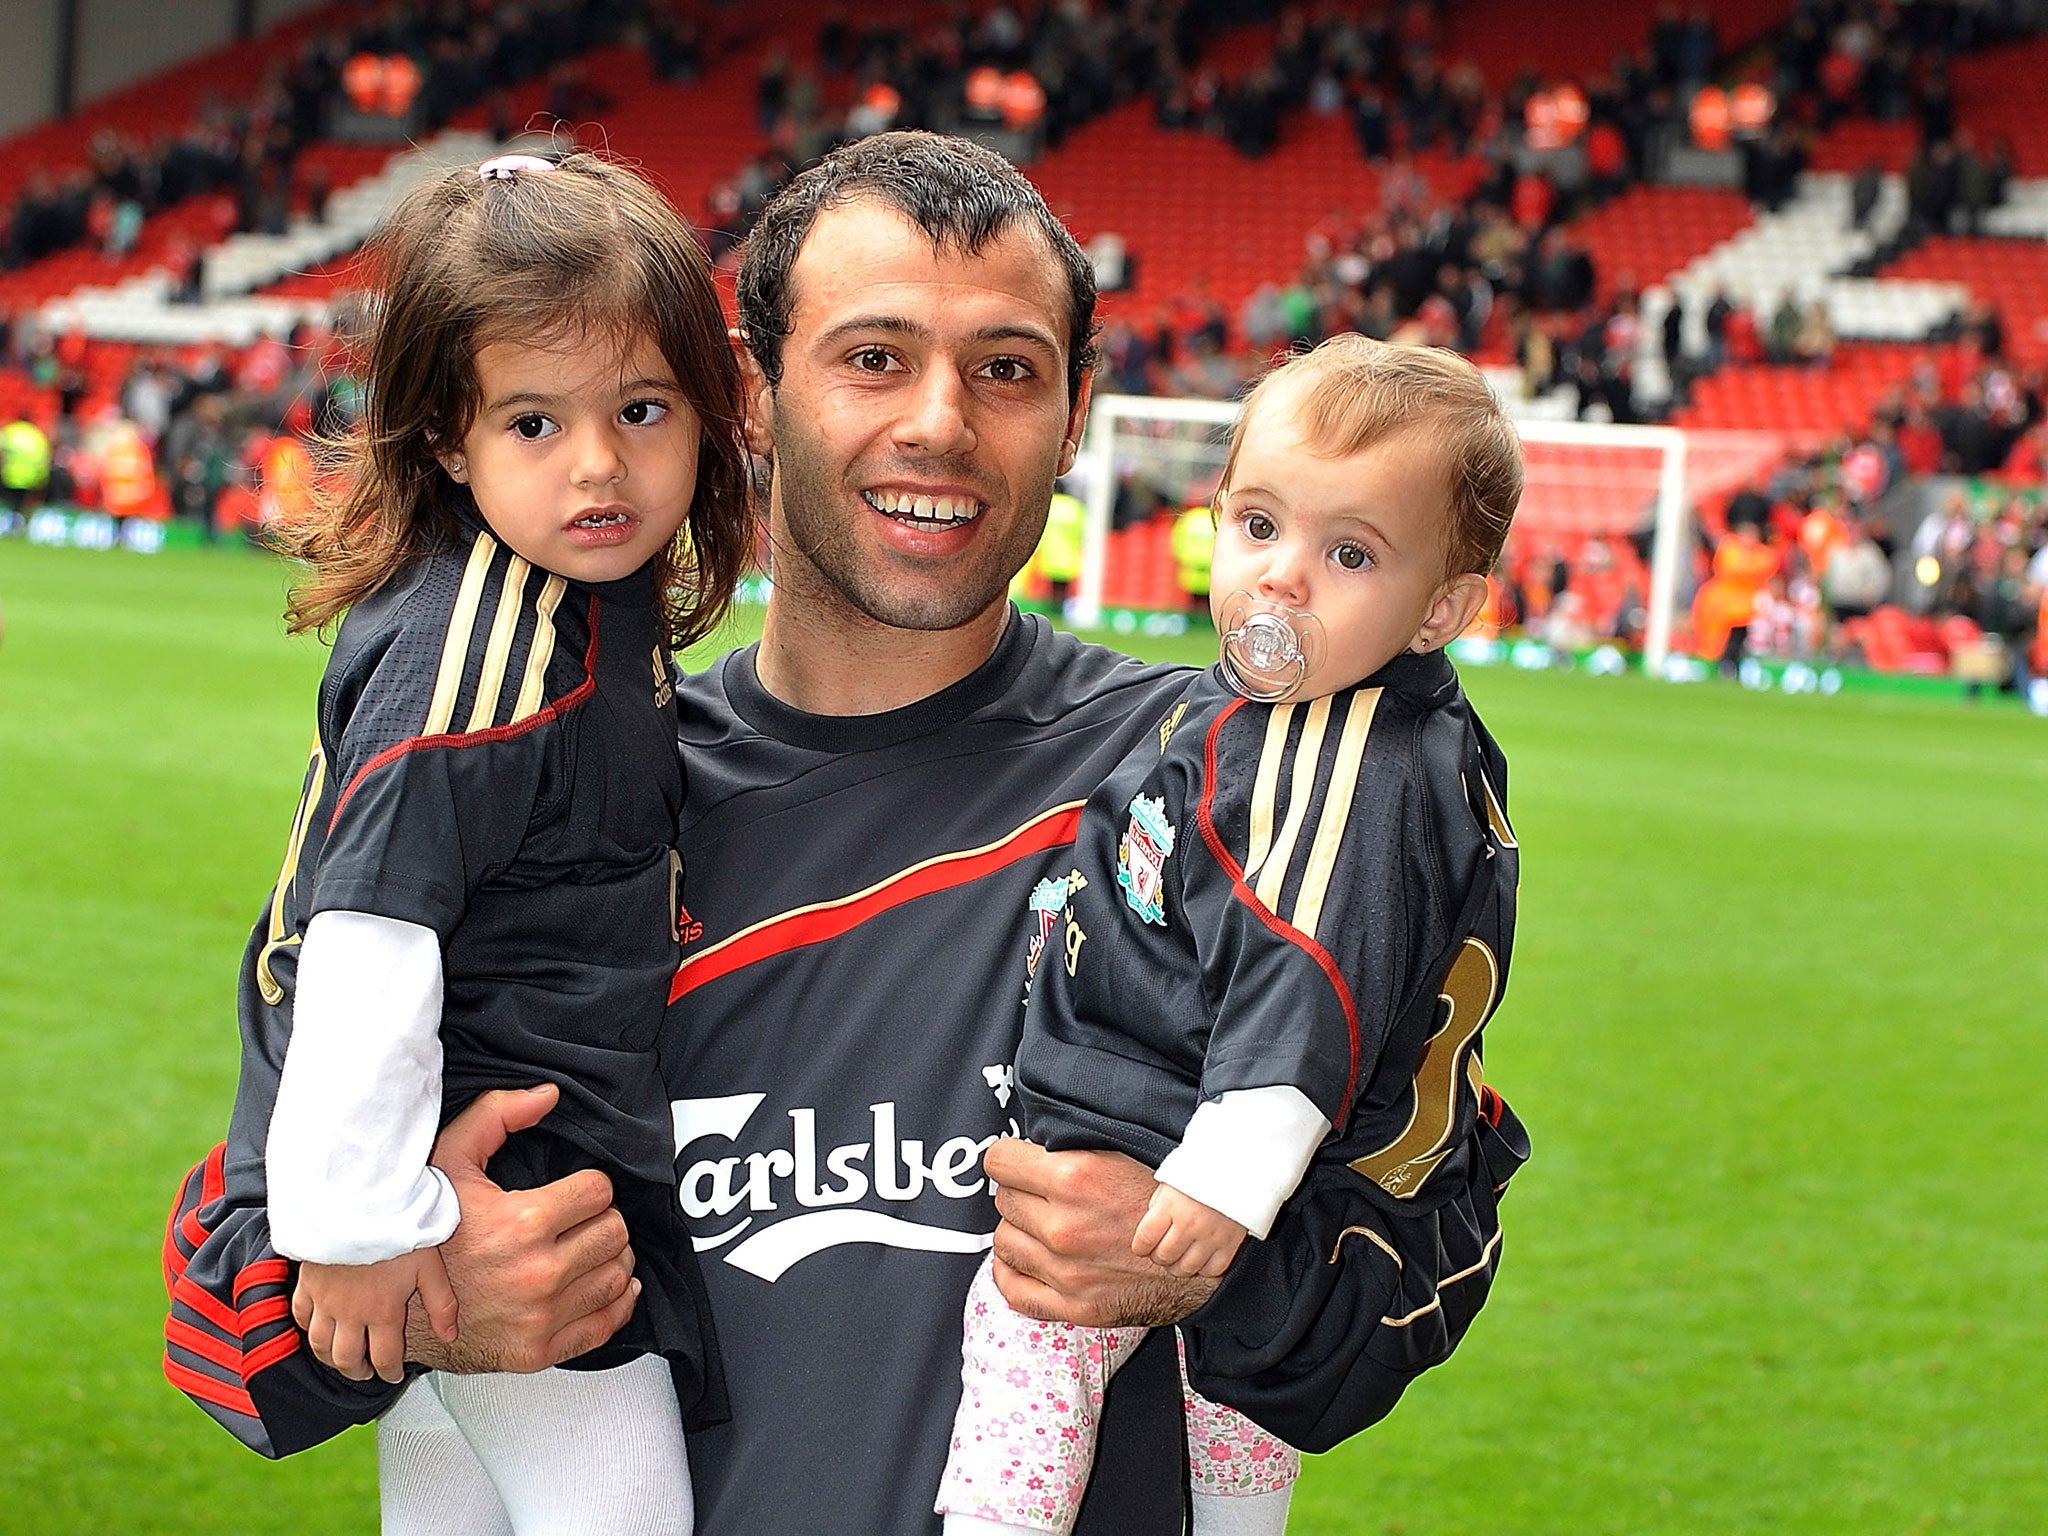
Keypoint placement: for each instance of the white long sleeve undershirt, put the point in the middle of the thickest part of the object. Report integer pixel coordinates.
(1245, 1152)
(359, 1100)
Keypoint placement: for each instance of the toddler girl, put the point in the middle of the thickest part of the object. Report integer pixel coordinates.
(548, 494)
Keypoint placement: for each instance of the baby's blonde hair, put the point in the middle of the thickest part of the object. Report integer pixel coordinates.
(1356, 392)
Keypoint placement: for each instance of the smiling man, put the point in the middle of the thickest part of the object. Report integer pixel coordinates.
(877, 791)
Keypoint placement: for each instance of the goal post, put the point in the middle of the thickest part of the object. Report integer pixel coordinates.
(1581, 480)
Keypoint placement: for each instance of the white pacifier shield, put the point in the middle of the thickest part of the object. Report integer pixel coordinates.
(1268, 648)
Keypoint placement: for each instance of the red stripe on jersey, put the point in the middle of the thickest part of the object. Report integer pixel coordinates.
(262, 1272)
(1249, 897)
(207, 1305)
(538, 718)
(196, 1342)
(268, 1310)
(213, 1183)
(828, 920)
(263, 1356)
(213, 1178)
(204, 1387)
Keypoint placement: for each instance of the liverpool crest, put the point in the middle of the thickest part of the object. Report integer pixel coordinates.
(1141, 859)
(1047, 897)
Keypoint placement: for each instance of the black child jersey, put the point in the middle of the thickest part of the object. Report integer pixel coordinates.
(1276, 895)
(1318, 895)
(496, 761)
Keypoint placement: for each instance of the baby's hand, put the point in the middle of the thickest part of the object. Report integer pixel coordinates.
(1180, 1233)
(354, 1314)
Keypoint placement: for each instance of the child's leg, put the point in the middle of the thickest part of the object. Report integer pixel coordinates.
(1031, 1394)
(1242, 1476)
(429, 1482)
(580, 1453)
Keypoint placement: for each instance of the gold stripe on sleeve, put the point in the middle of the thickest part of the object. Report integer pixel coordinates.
(1329, 839)
(1306, 756)
(1496, 814)
(455, 649)
(277, 938)
(1265, 789)
(504, 624)
(533, 687)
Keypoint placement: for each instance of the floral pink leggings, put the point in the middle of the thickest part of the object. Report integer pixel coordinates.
(1024, 1438)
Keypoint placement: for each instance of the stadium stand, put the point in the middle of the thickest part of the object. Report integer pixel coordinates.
(1256, 175)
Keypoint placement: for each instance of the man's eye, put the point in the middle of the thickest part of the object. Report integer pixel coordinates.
(643, 413)
(1353, 557)
(1007, 370)
(1258, 526)
(873, 360)
(532, 426)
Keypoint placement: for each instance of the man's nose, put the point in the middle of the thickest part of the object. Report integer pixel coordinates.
(937, 415)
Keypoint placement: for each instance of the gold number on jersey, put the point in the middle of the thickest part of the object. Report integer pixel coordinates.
(1470, 988)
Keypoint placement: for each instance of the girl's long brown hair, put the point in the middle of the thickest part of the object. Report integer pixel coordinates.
(588, 251)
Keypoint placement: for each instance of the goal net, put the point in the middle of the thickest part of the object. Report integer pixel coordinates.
(1603, 546)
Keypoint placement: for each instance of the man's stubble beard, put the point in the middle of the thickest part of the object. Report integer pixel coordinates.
(810, 493)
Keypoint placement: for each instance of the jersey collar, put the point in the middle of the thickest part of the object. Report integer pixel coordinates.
(984, 686)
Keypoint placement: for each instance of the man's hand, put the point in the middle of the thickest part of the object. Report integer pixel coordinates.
(354, 1314)
(1063, 1250)
(543, 1274)
(1182, 1234)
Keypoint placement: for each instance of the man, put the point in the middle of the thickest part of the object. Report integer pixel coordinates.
(878, 792)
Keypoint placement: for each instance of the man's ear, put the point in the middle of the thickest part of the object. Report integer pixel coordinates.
(1457, 604)
(760, 397)
(1077, 422)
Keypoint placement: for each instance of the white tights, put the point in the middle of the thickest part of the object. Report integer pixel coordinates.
(555, 1453)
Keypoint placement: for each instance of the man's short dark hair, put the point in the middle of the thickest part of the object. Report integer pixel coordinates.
(959, 193)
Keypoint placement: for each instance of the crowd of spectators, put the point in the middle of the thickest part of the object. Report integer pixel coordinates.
(209, 439)
(246, 152)
(1482, 257)
(1819, 559)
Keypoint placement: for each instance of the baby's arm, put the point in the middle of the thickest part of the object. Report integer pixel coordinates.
(358, 1104)
(1244, 1153)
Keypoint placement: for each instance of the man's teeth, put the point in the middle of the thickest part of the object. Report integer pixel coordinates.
(939, 510)
(601, 520)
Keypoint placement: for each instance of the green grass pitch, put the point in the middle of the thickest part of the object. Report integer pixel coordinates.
(1776, 1023)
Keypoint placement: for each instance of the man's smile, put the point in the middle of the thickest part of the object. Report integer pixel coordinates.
(923, 509)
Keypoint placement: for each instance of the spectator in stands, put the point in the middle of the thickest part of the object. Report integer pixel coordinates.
(1864, 193)
(1781, 341)
(24, 467)
(1857, 576)
(1814, 343)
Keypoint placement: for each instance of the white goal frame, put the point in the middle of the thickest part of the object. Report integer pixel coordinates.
(1097, 468)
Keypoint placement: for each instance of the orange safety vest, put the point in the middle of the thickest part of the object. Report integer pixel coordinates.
(1752, 108)
(985, 90)
(127, 475)
(363, 78)
(1023, 100)
(400, 85)
(1709, 118)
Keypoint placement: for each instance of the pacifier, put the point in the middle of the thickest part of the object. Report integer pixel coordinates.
(1268, 648)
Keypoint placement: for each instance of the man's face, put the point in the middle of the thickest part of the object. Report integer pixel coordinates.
(921, 419)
